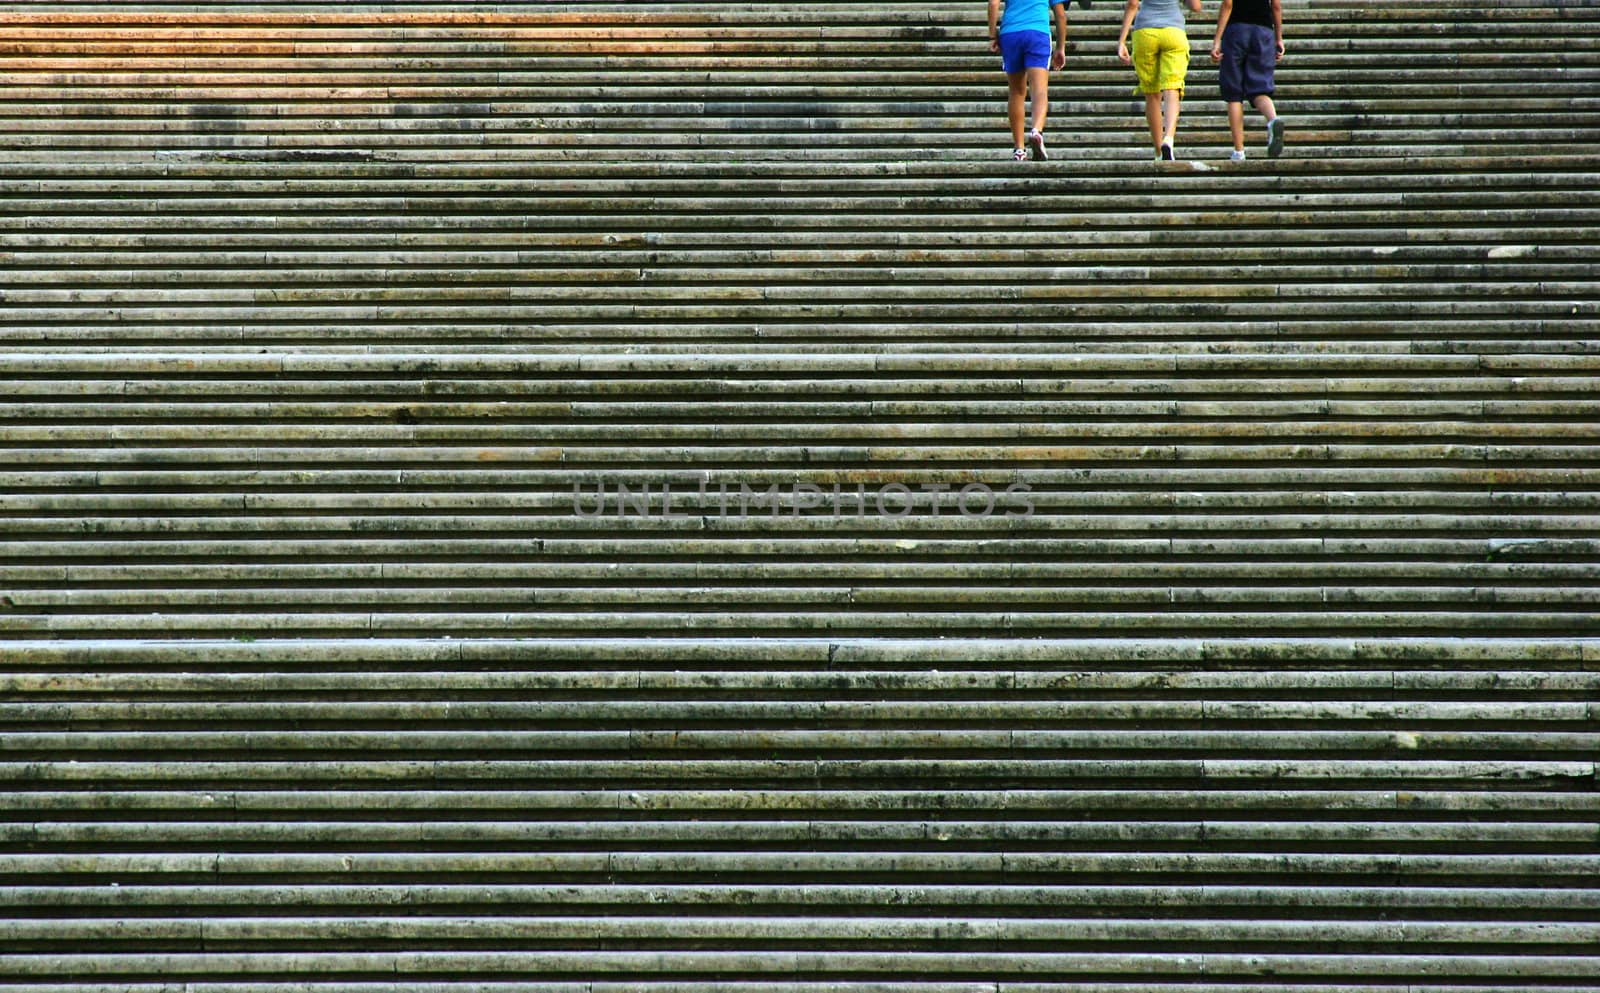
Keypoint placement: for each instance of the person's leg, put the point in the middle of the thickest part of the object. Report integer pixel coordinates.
(1274, 126)
(1259, 64)
(1236, 124)
(1230, 79)
(1170, 101)
(1269, 110)
(1174, 66)
(1039, 86)
(1152, 114)
(1016, 104)
(1146, 52)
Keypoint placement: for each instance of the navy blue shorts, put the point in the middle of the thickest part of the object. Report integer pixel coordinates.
(1021, 50)
(1249, 56)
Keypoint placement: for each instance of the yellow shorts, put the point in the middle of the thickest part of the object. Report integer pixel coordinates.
(1161, 58)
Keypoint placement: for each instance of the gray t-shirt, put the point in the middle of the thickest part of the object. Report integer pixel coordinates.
(1158, 14)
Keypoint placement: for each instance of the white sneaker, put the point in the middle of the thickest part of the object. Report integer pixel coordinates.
(1036, 142)
(1236, 157)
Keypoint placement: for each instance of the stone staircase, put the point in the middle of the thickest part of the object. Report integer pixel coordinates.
(559, 498)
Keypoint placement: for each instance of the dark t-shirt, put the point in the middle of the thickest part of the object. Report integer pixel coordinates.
(1252, 12)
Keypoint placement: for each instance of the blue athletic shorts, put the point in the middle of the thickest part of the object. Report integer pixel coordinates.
(1021, 50)
(1249, 56)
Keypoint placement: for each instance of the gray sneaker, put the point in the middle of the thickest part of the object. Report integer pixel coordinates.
(1274, 137)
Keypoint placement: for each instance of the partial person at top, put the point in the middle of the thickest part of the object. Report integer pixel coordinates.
(1159, 55)
(1022, 37)
(1247, 47)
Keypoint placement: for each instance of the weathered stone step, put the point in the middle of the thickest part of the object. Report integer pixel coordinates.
(856, 929)
(656, 149)
(1444, 836)
(345, 745)
(645, 109)
(1256, 902)
(44, 286)
(1244, 620)
(770, 963)
(136, 257)
(556, 185)
(686, 414)
(954, 860)
(358, 169)
(1555, 86)
(1192, 657)
(1464, 335)
(747, 986)
(1007, 211)
(1325, 485)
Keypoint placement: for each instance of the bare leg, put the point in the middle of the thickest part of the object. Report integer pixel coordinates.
(1169, 102)
(1152, 114)
(1015, 104)
(1236, 124)
(1039, 84)
(1274, 126)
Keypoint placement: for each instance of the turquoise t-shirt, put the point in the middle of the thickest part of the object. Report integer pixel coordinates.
(1027, 15)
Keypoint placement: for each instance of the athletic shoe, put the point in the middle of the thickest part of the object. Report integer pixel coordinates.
(1036, 142)
(1167, 153)
(1236, 157)
(1274, 137)
(1019, 155)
